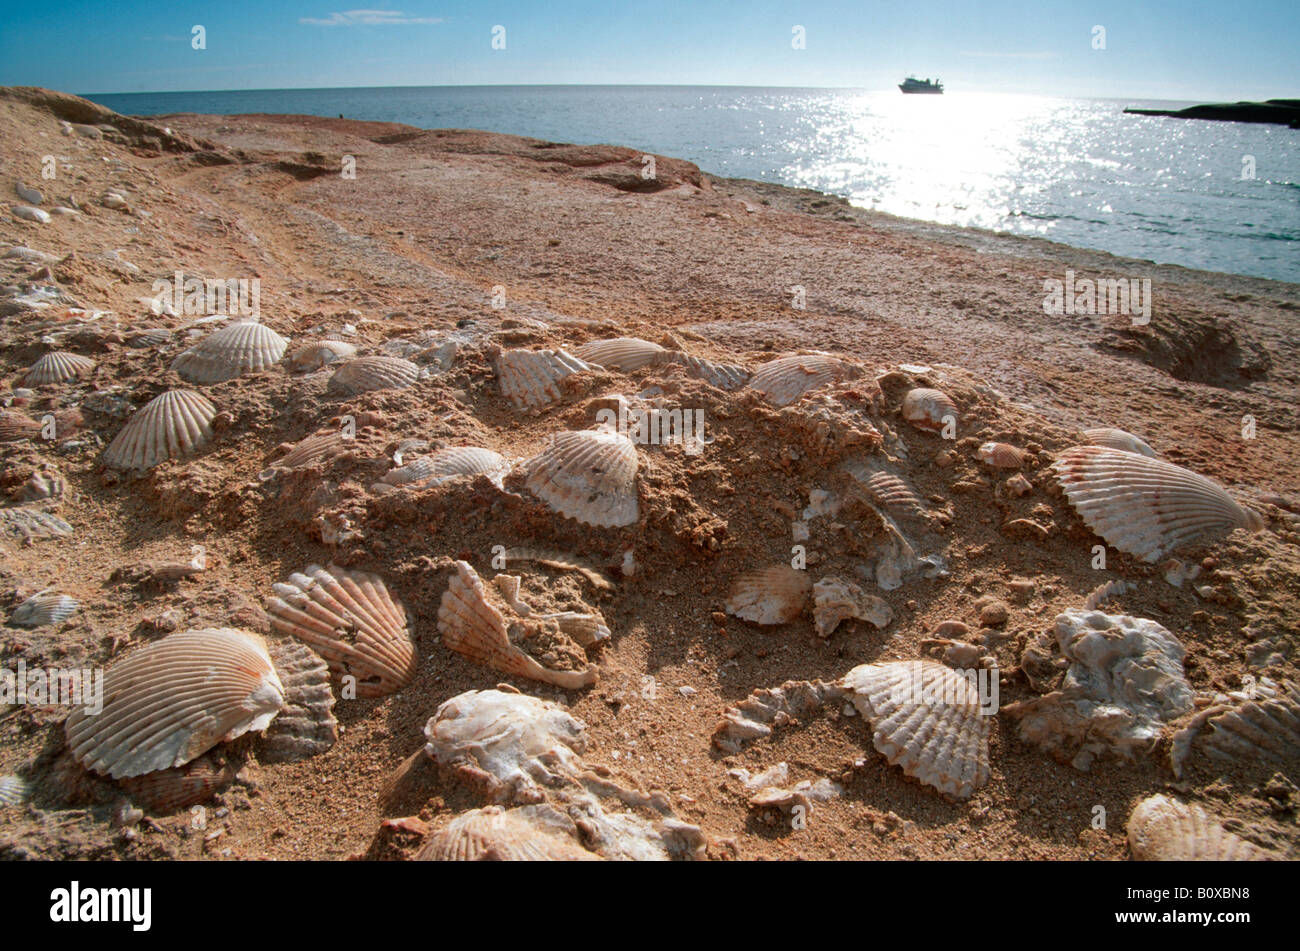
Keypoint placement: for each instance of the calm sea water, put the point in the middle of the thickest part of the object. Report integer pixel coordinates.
(1222, 196)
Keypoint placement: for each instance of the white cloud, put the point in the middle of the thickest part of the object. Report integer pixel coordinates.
(367, 18)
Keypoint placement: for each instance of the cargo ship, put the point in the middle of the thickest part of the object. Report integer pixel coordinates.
(912, 84)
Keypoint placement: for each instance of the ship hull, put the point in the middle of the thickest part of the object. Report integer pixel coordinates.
(931, 91)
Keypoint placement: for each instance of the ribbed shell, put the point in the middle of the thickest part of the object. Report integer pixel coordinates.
(1001, 455)
(926, 408)
(306, 726)
(725, 376)
(149, 337)
(46, 607)
(313, 356)
(175, 699)
(14, 790)
(438, 467)
(589, 476)
(944, 744)
(231, 352)
(530, 378)
(493, 834)
(836, 600)
(317, 449)
(472, 625)
(1117, 439)
(16, 426)
(374, 373)
(1146, 507)
(351, 620)
(173, 424)
(775, 595)
(32, 524)
(1263, 730)
(167, 790)
(785, 380)
(57, 367)
(889, 490)
(1162, 829)
(624, 354)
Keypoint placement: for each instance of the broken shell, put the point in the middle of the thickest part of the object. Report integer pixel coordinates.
(623, 354)
(1117, 439)
(374, 373)
(173, 424)
(1146, 507)
(787, 379)
(318, 449)
(313, 356)
(836, 600)
(929, 409)
(1262, 727)
(167, 790)
(1001, 455)
(43, 484)
(589, 476)
(471, 624)
(926, 719)
(351, 620)
(445, 464)
(173, 700)
(530, 378)
(231, 352)
(58, 367)
(14, 790)
(32, 524)
(1162, 829)
(149, 337)
(889, 490)
(496, 834)
(725, 376)
(774, 595)
(16, 426)
(45, 607)
(306, 726)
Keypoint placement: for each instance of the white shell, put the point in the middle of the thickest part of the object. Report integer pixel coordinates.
(476, 622)
(1146, 507)
(306, 726)
(44, 608)
(1162, 829)
(929, 409)
(178, 697)
(725, 376)
(173, 424)
(58, 367)
(624, 354)
(1001, 455)
(28, 213)
(787, 379)
(32, 524)
(531, 378)
(352, 621)
(926, 719)
(836, 600)
(231, 352)
(775, 595)
(438, 467)
(14, 790)
(1117, 439)
(589, 476)
(313, 356)
(374, 373)
(500, 835)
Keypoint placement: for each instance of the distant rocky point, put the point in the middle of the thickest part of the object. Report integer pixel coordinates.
(1281, 111)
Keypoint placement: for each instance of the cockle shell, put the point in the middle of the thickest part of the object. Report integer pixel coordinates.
(493, 834)
(836, 600)
(1162, 829)
(32, 524)
(230, 352)
(1118, 439)
(725, 376)
(925, 718)
(624, 354)
(774, 595)
(173, 424)
(149, 337)
(315, 355)
(58, 367)
(166, 790)
(889, 490)
(531, 378)
(352, 621)
(14, 790)
(173, 700)
(318, 449)
(438, 467)
(786, 380)
(28, 213)
(589, 476)
(306, 726)
(1146, 507)
(1261, 726)
(45, 607)
(929, 409)
(491, 633)
(1001, 455)
(374, 373)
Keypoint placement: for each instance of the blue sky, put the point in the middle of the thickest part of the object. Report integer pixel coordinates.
(1162, 49)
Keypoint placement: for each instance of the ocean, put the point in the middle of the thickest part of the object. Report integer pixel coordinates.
(1221, 196)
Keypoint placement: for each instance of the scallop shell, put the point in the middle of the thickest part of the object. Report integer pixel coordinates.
(14, 790)
(1162, 829)
(787, 379)
(889, 490)
(589, 476)
(166, 790)
(1264, 729)
(496, 834)
(58, 367)
(306, 726)
(16, 426)
(351, 620)
(173, 424)
(230, 352)
(451, 463)
(471, 624)
(1146, 507)
(624, 354)
(530, 378)
(927, 409)
(149, 337)
(774, 595)
(836, 600)
(313, 356)
(926, 719)
(318, 449)
(173, 700)
(725, 376)
(43, 608)
(1002, 455)
(32, 524)
(374, 373)
(1117, 439)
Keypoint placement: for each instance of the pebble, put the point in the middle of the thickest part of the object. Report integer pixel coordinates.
(994, 613)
